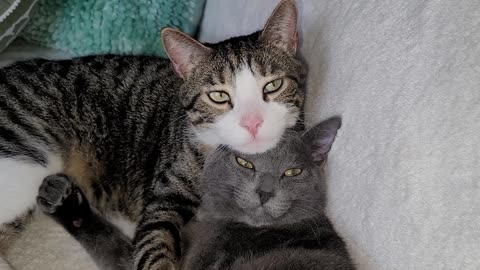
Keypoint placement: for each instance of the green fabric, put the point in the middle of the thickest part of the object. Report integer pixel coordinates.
(14, 15)
(85, 27)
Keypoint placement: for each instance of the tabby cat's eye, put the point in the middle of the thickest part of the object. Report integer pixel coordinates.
(272, 86)
(219, 97)
(292, 172)
(244, 163)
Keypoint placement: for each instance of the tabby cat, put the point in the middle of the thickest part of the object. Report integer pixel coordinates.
(132, 131)
(261, 211)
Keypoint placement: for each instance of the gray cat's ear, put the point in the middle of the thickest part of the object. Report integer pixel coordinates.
(281, 28)
(184, 51)
(321, 138)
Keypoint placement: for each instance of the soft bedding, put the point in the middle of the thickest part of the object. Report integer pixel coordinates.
(20, 50)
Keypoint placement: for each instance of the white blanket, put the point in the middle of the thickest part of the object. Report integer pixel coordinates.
(404, 173)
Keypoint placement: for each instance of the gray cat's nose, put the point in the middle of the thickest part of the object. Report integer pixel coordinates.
(264, 196)
(266, 187)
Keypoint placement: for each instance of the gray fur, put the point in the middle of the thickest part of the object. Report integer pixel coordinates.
(235, 230)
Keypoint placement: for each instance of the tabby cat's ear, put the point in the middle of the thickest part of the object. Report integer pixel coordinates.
(321, 138)
(184, 51)
(281, 28)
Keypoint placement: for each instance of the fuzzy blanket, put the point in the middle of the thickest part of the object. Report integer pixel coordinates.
(404, 174)
(85, 27)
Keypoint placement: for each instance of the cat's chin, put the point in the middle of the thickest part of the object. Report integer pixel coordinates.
(240, 144)
(256, 146)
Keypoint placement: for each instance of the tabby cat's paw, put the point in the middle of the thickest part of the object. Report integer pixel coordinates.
(53, 192)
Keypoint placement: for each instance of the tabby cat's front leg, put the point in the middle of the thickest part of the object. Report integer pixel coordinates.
(157, 242)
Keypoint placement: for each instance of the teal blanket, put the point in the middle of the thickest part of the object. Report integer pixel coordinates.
(85, 27)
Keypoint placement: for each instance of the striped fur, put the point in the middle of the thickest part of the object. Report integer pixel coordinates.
(118, 126)
(125, 129)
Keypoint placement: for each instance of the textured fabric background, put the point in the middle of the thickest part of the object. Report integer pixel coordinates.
(84, 27)
(404, 174)
(45, 245)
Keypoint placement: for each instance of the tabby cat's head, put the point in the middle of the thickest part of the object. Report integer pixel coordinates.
(243, 92)
(282, 185)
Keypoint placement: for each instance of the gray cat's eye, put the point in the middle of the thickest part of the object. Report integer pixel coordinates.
(292, 172)
(273, 86)
(246, 164)
(219, 97)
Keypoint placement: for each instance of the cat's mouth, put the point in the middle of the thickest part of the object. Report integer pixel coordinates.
(258, 217)
(277, 211)
(264, 215)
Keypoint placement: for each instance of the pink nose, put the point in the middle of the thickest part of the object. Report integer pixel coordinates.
(251, 122)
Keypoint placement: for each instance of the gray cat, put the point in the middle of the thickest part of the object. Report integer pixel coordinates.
(132, 131)
(266, 211)
(262, 211)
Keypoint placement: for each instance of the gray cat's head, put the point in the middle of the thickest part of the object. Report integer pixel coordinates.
(282, 185)
(243, 92)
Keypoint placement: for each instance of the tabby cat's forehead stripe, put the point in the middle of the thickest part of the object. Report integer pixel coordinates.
(261, 68)
(192, 102)
(220, 78)
(209, 80)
